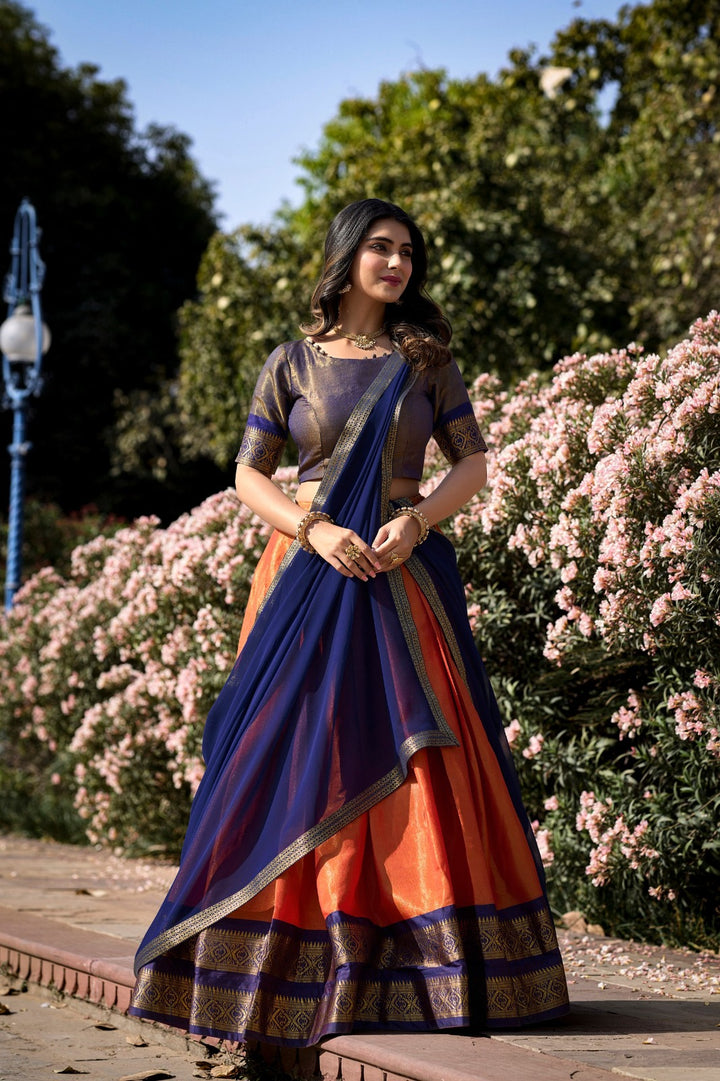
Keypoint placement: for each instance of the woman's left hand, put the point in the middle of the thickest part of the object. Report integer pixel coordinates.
(395, 541)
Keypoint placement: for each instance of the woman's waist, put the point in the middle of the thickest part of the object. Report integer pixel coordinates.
(399, 486)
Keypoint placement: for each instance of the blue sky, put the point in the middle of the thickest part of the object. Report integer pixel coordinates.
(252, 83)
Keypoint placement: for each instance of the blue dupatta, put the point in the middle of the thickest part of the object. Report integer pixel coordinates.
(328, 699)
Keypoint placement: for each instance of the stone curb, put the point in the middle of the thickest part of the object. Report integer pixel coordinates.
(97, 968)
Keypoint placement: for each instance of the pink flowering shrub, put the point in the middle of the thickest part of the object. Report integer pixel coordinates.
(108, 674)
(592, 564)
(594, 567)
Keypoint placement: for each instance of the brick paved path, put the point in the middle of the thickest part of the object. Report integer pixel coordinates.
(71, 918)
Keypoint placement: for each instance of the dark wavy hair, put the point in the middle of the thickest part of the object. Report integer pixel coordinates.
(415, 322)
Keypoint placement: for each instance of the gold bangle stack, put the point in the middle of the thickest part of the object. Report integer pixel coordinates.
(304, 523)
(413, 512)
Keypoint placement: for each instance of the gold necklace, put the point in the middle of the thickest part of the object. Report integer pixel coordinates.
(362, 341)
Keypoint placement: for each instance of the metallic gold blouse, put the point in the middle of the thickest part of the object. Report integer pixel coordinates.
(310, 395)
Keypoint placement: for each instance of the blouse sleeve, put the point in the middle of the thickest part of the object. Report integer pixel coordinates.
(455, 429)
(266, 431)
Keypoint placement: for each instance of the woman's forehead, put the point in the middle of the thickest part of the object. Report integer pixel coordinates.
(389, 229)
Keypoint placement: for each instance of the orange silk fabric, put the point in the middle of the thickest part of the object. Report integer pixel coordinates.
(449, 835)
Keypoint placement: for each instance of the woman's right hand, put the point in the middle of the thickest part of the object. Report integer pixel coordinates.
(330, 541)
(343, 549)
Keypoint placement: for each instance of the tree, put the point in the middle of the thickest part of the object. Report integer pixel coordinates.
(250, 298)
(651, 207)
(515, 286)
(570, 203)
(125, 218)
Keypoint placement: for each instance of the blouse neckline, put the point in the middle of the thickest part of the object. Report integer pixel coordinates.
(316, 347)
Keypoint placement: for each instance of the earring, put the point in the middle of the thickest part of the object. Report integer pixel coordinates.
(346, 288)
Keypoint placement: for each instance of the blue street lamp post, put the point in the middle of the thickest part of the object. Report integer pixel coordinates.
(24, 339)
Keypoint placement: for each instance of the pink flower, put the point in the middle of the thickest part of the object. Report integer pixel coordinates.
(543, 840)
(512, 732)
(626, 718)
(534, 747)
(660, 610)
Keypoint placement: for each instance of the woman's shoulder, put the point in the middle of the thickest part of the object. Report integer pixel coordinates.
(283, 355)
(289, 351)
(286, 367)
(297, 345)
(442, 375)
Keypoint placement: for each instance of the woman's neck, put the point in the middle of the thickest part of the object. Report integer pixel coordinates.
(360, 318)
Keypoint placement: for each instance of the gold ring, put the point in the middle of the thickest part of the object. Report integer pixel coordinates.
(353, 552)
(395, 558)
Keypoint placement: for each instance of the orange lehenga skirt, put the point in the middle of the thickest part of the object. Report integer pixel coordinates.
(424, 913)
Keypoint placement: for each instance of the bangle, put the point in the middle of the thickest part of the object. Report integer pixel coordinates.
(306, 521)
(413, 512)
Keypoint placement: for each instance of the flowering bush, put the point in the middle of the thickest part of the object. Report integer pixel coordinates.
(595, 557)
(109, 673)
(592, 566)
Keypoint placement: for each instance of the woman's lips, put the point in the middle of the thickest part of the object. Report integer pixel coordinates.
(392, 280)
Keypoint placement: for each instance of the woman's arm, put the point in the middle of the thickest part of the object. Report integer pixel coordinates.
(460, 484)
(264, 497)
(463, 480)
(330, 541)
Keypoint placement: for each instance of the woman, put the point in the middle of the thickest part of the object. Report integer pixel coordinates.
(358, 858)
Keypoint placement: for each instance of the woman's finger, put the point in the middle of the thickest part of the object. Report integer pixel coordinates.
(381, 536)
(394, 559)
(392, 544)
(355, 562)
(362, 555)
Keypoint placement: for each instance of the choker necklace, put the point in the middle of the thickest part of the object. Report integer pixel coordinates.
(319, 349)
(362, 341)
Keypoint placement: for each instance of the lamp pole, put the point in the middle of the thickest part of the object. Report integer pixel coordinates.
(24, 339)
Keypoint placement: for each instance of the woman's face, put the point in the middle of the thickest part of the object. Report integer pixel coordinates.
(382, 265)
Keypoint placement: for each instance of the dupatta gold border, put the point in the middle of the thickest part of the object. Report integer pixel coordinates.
(308, 841)
(385, 785)
(442, 736)
(417, 568)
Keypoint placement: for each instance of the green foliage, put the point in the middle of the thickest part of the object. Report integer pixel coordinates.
(650, 200)
(49, 536)
(476, 162)
(557, 218)
(108, 673)
(595, 559)
(247, 304)
(125, 217)
(592, 567)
